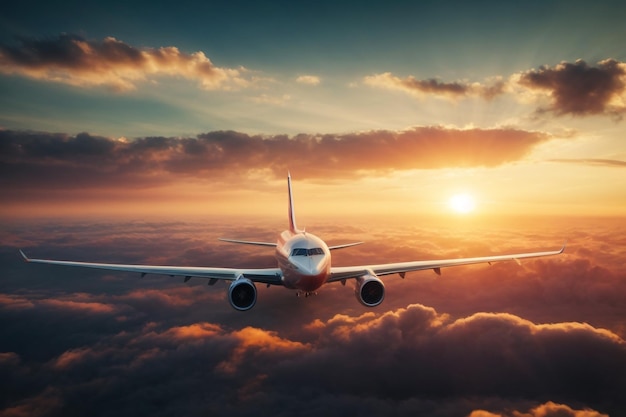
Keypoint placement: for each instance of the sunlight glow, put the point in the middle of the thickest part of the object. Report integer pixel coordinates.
(462, 203)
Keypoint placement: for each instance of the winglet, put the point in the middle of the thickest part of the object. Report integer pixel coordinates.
(24, 256)
(563, 248)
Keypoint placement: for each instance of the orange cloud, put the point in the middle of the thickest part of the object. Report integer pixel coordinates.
(59, 161)
(194, 331)
(483, 413)
(258, 343)
(549, 409)
(71, 59)
(79, 306)
(15, 302)
(71, 357)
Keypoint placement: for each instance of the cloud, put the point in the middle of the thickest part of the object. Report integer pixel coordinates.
(407, 360)
(421, 351)
(308, 79)
(57, 161)
(259, 345)
(43, 404)
(71, 357)
(593, 162)
(14, 302)
(80, 307)
(575, 89)
(273, 100)
(194, 331)
(78, 303)
(434, 87)
(503, 340)
(10, 358)
(579, 89)
(549, 409)
(74, 60)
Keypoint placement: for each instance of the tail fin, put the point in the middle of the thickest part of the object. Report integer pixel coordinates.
(292, 216)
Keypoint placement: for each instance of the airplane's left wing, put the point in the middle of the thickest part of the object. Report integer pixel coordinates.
(265, 275)
(342, 273)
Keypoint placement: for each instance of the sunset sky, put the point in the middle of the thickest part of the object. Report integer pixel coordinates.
(141, 110)
(137, 132)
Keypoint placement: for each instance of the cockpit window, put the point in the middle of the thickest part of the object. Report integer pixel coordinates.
(315, 251)
(307, 252)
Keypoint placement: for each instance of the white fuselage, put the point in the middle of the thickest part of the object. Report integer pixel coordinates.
(304, 260)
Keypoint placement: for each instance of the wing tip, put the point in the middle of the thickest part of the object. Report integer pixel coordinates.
(24, 256)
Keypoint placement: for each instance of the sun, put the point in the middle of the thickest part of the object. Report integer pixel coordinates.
(462, 203)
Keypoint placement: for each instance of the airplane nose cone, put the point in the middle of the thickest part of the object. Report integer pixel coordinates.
(312, 266)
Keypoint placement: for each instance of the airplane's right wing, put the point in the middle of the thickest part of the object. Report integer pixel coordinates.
(347, 272)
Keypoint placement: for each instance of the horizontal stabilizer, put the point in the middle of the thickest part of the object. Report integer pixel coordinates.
(346, 245)
(247, 242)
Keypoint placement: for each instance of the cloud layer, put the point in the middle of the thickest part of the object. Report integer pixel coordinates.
(74, 60)
(553, 343)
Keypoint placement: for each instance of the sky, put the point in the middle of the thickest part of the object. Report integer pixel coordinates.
(141, 132)
(148, 108)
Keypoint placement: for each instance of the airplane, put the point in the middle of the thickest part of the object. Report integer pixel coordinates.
(304, 265)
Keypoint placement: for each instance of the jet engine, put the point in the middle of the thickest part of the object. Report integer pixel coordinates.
(370, 291)
(242, 294)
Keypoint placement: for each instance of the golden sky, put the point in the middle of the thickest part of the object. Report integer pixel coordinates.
(414, 171)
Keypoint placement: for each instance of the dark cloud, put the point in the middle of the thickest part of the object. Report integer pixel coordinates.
(78, 342)
(74, 60)
(579, 89)
(378, 360)
(65, 161)
(435, 87)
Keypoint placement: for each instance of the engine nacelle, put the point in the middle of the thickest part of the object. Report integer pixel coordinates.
(242, 294)
(370, 291)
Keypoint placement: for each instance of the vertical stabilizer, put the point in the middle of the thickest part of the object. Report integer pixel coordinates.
(292, 216)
